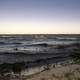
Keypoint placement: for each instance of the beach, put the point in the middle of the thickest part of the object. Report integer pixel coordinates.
(23, 57)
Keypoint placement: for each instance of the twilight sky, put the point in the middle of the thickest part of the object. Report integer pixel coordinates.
(39, 16)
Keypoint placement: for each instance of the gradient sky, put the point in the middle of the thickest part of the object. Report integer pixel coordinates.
(39, 16)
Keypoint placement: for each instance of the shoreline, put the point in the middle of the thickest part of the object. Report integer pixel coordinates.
(33, 72)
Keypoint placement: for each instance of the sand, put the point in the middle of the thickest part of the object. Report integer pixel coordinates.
(69, 72)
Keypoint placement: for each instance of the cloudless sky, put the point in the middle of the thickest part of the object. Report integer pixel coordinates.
(39, 16)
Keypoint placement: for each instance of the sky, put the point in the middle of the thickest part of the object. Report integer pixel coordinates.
(39, 16)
